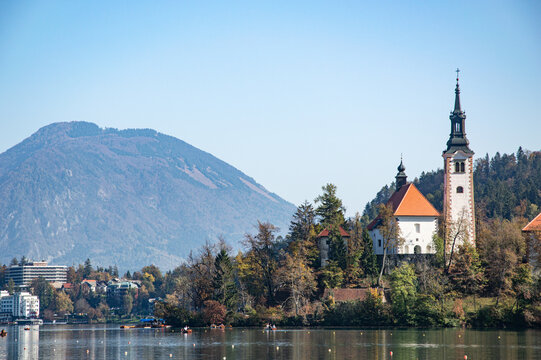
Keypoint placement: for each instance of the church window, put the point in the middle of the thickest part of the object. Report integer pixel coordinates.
(417, 228)
(428, 249)
(379, 243)
(462, 167)
(417, 249)
(417, 239)
(460, 190)
(459, 166)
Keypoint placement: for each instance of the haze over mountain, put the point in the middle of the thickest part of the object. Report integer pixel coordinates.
(73, 191)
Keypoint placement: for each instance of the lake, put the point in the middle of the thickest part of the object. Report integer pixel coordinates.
(111, 342)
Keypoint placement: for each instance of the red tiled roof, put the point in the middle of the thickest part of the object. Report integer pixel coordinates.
(89, 281)
(325, 232)
(534, 225)
(408, 201)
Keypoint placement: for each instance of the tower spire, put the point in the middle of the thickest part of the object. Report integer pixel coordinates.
(457, 138)
(401, 177)
(457, 94)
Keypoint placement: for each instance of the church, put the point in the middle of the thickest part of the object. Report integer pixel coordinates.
(416, 217)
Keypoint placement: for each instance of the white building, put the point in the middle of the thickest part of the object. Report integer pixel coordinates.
(458, 204)
(19, 305)
(417, 220)
(23, 275)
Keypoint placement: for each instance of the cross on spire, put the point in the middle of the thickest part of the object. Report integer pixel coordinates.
(457, 71)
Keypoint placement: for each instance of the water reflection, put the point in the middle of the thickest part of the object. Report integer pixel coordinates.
(111, 342)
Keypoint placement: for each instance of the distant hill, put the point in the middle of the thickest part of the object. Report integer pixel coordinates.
(73, 191)
(505, 186)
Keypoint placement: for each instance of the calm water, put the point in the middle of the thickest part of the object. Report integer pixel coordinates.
(111, 342)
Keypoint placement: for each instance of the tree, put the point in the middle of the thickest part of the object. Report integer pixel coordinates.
(14, 261)
(298, 278)
(127, 304)
(10, 286)
(44, 290)
(62, 303)
(467, 273)
(403, 292)
(225, 291)
(214, 312)
(390, 232)
(262, 248)
(330, 209)
(502, 249)
(201, 274)
(302, 234)
(368, 259)
(457, 234)
(87, 271)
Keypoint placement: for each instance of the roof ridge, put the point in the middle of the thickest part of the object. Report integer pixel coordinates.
(403, 197)
(531, 222)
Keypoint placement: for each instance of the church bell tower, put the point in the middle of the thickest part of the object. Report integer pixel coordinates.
(458, 204)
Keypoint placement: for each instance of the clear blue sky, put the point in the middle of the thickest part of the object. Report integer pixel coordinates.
(295, 94)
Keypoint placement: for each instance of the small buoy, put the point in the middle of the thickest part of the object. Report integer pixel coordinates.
(125, 353)
(329, 350)
(232, 346)
(308, 332)
(129, 342)
(361, 332)
(25, 348)
(465, 357)
(391, 334)
(194, 345)
(225, 358)
(391, 353)
(498, 337)
(459, 335)
(77, 340)
(170, 355)
(277, 348)
(87, 351)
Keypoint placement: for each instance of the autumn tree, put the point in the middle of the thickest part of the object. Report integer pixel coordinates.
(214, 312)
(201, 274)
(262, 248)
(456, 234)
(298, 278)
(502, 249)
(390, 232)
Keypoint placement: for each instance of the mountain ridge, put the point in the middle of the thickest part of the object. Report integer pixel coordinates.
(75, 189)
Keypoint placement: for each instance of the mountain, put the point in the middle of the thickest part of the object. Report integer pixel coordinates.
(505, 186)
(73, 191)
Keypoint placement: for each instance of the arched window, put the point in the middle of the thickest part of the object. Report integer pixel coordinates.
(457, 166)
(417, 249)
(417, 228)
(460, 190)
(462, 168)
(428, 249)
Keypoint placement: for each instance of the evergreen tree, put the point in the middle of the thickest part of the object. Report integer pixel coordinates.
(330, 209)
(225, 291)
(368, 259)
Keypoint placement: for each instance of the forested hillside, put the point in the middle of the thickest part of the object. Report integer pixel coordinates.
(505, 186)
